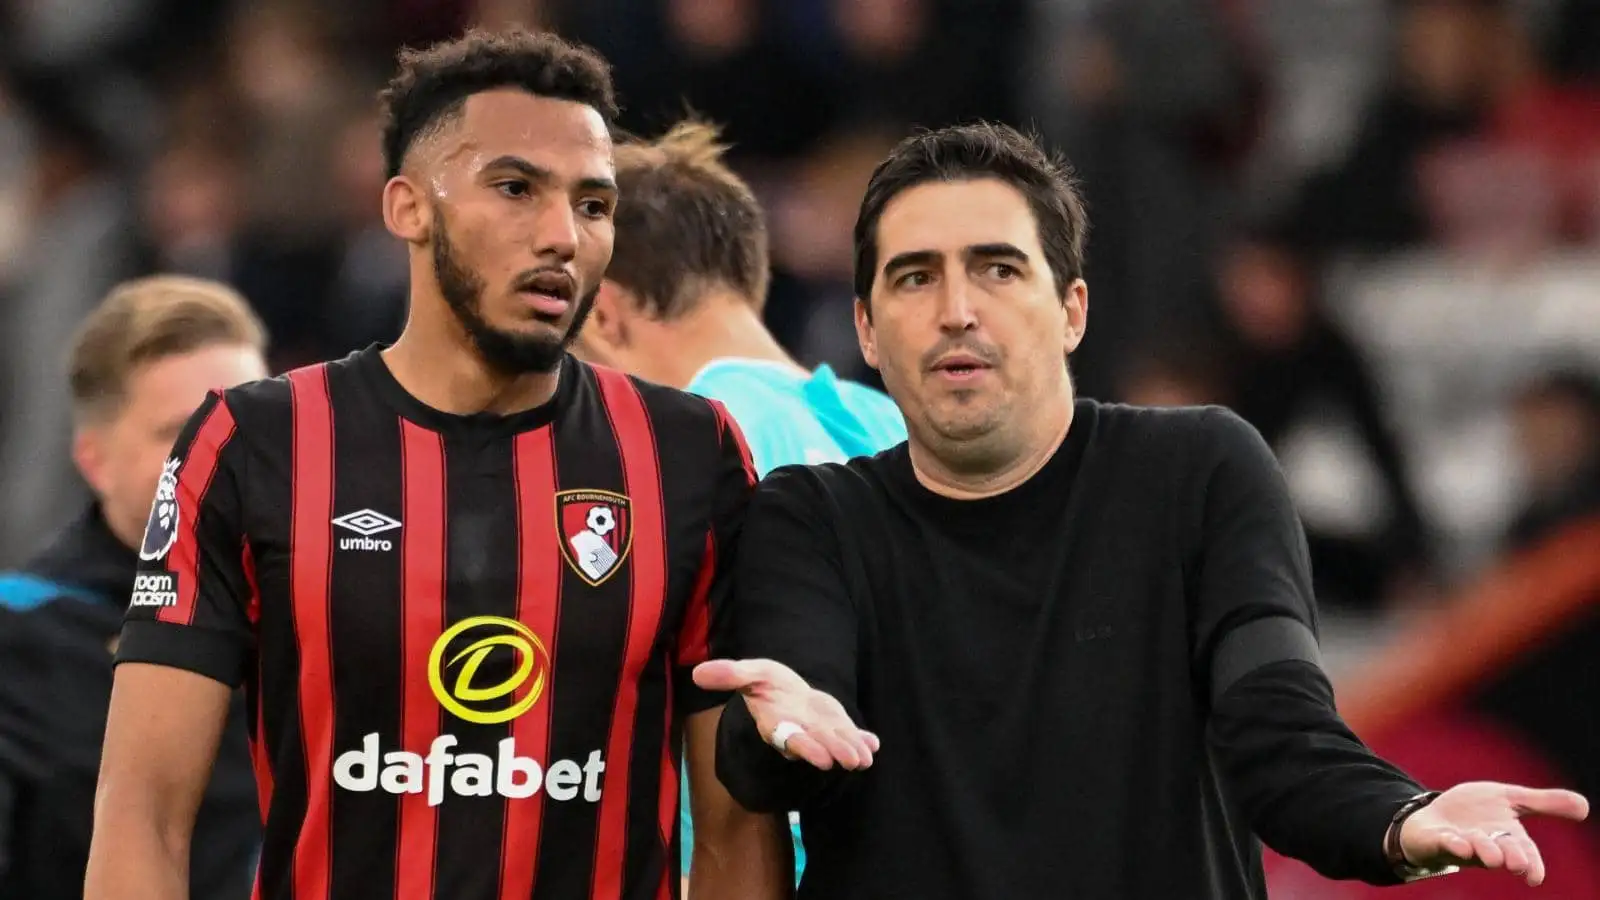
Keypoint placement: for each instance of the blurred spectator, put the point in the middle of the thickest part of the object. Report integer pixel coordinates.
(1154, 102)
(921, 62)
(1174, 373)
(1443, 59)
(193, 211)
(1556, 419)
(1300, 381)
(1529, 179)
(1574, 41)
(723, 58)
(812, 214)
(76, 245)
(367, 301)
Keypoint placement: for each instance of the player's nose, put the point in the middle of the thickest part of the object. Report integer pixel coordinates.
(555, 231)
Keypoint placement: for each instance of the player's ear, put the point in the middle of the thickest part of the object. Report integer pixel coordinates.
(1076, 303)
(865, 335)
(406, 211)
(88, 454)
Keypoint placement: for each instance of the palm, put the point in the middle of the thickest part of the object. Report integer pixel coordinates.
(776, 696)
(1479, 823)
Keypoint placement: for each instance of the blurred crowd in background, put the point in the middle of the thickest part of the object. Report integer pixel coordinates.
(1372, 227)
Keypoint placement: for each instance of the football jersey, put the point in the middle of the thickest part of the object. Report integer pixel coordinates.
(792, 418)
(466, 640)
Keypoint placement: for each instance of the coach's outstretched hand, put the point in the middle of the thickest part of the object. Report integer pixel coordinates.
(1477, 824)
(799, 720)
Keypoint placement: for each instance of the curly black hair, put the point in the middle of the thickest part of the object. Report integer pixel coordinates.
(433, 83)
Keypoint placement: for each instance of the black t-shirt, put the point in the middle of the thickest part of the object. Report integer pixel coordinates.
(1096, 685)
(466, 640)
(59, 619)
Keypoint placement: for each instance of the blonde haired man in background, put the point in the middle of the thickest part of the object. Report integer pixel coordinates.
(139, 366)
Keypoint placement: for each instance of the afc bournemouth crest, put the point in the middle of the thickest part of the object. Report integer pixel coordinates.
(161, 532)
(596, 529)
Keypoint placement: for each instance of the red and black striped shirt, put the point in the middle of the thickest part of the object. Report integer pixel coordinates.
(465, 639)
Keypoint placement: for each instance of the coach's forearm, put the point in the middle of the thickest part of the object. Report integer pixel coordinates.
(132, 857)
(760, 777)
(1308, 786)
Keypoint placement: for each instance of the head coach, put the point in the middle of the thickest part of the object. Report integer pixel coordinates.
(1048, 647)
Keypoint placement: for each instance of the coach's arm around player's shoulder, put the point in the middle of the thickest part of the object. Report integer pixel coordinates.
(185, 644)
(1308, 786)
(791, 736)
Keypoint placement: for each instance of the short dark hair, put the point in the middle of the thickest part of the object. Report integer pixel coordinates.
(433, 83)
(685, 222)
(967, 152)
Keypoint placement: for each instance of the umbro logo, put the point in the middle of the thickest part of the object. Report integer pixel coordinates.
(366, 523)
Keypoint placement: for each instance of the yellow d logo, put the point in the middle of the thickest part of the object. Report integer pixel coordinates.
(533, 661)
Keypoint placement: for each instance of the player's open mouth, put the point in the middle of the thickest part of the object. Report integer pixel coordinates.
(549, 293)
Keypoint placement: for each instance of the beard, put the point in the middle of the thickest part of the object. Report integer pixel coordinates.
(506, 351)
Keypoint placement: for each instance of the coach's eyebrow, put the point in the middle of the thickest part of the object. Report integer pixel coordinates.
(909, 259)
(997, 250)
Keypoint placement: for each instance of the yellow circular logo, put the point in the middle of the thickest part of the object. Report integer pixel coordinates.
(472, 702)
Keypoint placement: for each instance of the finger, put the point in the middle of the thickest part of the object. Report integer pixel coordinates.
(852, 735)
(1486, 850)
(805, 746)
(838, 747)
(720, 675)
(1549, 802)
(1515, 851)
(873, 743)
(745, 674)
(1444, 842)
(1535, 863)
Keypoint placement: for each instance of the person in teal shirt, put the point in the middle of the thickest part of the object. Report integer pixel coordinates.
(681, 306)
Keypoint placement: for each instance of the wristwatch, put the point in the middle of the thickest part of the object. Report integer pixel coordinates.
(1395, 855)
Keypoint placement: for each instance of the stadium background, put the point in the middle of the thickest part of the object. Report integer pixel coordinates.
(1370, 226)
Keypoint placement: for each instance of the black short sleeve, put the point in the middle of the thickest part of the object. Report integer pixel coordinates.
(193, 601)
(735, 481)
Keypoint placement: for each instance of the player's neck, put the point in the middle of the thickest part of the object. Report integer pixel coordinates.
(975, 472)
(721, 326)
(438, 365)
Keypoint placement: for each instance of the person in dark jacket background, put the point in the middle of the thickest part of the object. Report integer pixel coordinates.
(140, 364)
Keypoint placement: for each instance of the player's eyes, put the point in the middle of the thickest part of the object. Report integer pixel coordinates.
(516, 189)
(595, 208)
(1003, 271)
(913, 280)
